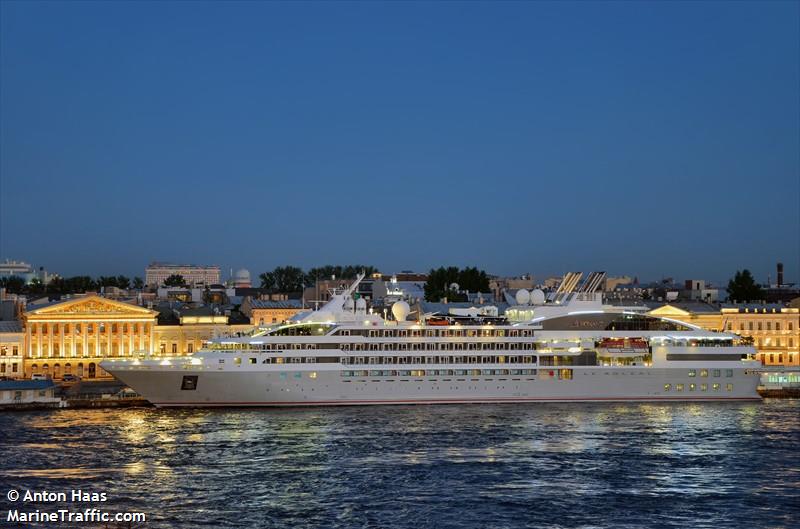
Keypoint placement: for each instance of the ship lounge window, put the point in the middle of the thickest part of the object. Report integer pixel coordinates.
(716, 373)
(678, 387)
(715, 387)
(253, 360)
(692, 372)
(237, 361)
(311, 360)
(667, 387)
(704, 373)
(297, 360)
(221, 360)
(692, 387)
(417, 360)
(266, 361)
(729, 387)
(729, 373)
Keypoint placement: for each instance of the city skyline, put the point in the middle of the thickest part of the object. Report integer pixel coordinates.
(648, 139)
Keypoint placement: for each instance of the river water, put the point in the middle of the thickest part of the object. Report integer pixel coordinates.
(716, 465)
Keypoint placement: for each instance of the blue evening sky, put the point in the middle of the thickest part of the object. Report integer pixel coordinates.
(641, 138)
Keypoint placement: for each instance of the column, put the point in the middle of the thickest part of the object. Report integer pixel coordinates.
(38, 340)
(120, 338)
(130, 337)
(61, 350)
(152, 330)
(109, 348)
(29, 341)
(97, 337)
(50, 329)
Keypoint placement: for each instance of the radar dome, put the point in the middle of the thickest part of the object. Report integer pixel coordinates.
(400, 310)
(348, 304)
(537, 297)
(361, 305)
(523, 297)
(454, 286)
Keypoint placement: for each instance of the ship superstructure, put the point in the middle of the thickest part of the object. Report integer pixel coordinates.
(565, 346)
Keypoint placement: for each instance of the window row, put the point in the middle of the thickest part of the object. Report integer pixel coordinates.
(715, 372)
(693, 387)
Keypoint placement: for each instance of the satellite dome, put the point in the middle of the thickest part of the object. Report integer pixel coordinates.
(242, 274)
(348, 304)
(361, 305)
(400, 310)
(454, 286)
(523, 297)
(537, 297)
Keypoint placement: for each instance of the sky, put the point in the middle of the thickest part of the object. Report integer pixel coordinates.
(651, 139)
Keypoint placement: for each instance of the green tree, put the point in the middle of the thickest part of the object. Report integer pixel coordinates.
(743, 287)
(441, 280)
(288, 278)
(123, 282)
(138, 283)
(175, 280)
(267, 280)
(12, 284)
(35, 287)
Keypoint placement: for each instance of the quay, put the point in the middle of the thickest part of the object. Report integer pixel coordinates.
(44, 394)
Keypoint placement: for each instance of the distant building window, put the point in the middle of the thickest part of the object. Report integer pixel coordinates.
(174, 348)
(190, 348)
(777, 325)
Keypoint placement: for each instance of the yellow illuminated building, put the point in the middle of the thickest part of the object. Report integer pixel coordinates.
(194, 329)
(775, 329)
(75, 335)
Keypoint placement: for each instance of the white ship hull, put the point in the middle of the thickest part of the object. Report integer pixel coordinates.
(295, 388)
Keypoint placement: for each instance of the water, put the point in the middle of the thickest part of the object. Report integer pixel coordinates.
(489, 466)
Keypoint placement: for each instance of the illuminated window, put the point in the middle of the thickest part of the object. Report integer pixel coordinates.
(313, 374)
(703, 387)
(704, 372)
(715, 387)
(667, 387)
(729, 387)
(692, 373)
(253, 360)
(678, 387)
(692, 387)
(716, 373)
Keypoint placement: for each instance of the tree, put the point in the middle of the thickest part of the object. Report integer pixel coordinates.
(175, 280)
(267, 280)
(123, 282)
(288, 279)
(743, 287)
(138, 283)
(12, 284)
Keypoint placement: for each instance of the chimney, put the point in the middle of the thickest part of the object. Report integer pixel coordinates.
(780, 274)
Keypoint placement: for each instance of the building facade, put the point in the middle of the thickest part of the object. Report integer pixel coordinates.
(267, 312)
(12, 346)
(193, 328)
(75, 335)
(775, 329)
(156, 273)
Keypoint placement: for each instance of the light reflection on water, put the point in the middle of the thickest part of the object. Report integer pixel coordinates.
(552, 465)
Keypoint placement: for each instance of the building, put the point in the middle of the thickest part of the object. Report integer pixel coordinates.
(611, 283)
(697, 289)
(499, 285)
(242, 279)
(16, 392)
(12, 345)
(266, 312)
(194, 275)
(27, 272)
(75, 335)
(775, 329)
(184, 330)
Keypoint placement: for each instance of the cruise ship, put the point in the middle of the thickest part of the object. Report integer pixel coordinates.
(565, 346)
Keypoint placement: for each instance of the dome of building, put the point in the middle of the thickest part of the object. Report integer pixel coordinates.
(242, 278)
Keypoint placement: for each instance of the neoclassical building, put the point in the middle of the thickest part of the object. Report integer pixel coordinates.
(73, 336)
(775, 329)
